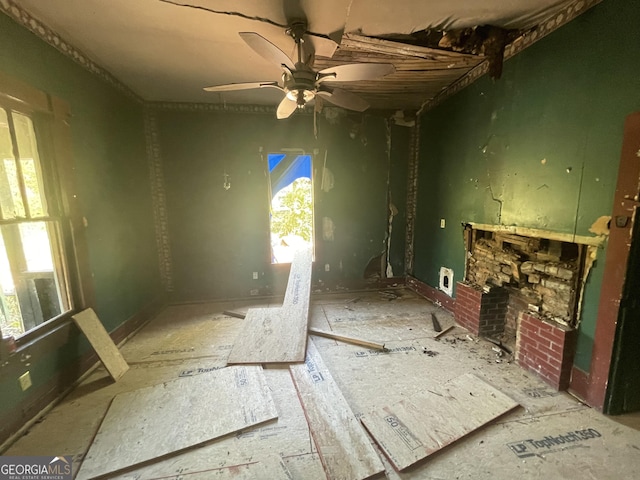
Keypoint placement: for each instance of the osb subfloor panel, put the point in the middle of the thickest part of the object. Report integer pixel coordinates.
(188, 340)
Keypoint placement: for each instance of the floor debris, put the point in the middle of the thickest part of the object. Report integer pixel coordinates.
(189, 342)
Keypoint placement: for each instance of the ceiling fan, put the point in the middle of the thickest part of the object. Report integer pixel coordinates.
(300, 83)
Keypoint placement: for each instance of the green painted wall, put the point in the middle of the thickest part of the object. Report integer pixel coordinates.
(219, 237)
(539, 148)
(113, 185)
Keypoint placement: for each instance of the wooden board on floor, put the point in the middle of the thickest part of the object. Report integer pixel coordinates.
(278, 335)
(343, 445)
(426, 422)
(155, 422)
(347, 339)
(107, 351)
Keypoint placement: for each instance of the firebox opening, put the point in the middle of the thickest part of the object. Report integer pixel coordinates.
(527, 273)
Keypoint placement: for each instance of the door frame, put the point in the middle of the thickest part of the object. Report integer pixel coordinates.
(594, 388)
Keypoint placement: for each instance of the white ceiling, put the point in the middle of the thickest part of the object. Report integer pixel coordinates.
(165, 52)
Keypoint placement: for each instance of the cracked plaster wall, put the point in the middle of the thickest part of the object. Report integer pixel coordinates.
(539, 149)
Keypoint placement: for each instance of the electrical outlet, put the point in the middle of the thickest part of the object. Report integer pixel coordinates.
(442, 223)
(255, 275)
(25, 381)
(327, 267)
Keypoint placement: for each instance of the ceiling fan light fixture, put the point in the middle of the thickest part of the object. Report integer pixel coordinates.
(300, 82)
(300, 96)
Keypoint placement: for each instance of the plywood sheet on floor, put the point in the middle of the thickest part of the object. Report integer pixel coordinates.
(306, 466)
(278, 335)
(401, 320)
(525, 448)
(415, 364)
(180, 336)
(482, 455)
(344, 447)
(419, 426)
(271, 467)
(107, 351)
(153, 422)
(80, 413)
(287, 437)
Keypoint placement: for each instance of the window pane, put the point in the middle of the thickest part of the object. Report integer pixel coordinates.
(36, 247)
(10, 316)
(6, 279)
(32, 275)
(10, 197)
(30, 162)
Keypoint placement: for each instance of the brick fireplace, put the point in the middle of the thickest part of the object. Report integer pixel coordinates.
(524, 292)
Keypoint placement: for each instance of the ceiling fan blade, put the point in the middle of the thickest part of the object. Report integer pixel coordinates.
(355, 71)
(322, 46)
(286, 108)
(242, 86)
(266, 49)
(344, 99)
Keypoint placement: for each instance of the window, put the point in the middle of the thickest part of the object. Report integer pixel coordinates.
(33, 274)
(291, 213)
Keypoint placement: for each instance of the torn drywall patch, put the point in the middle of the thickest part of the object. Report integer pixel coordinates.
(404, 119)
(601, 225)
(327, 180)
(589, 262)
(328, 229)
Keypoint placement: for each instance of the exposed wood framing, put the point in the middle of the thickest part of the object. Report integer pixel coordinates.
(552, 24)
(534, 232)
(421, 72)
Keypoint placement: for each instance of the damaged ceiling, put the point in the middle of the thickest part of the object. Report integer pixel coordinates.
(168, 50)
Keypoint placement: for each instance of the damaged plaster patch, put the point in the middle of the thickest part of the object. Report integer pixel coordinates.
(333, 115)
(393, 211)
(327, 180)
(589, 262)
(328, 229)
(403, 119)
(601, 225)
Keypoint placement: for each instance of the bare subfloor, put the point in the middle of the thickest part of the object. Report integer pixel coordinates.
(188, 340)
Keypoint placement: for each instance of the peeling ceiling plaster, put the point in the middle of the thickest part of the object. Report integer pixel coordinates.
(165, 52)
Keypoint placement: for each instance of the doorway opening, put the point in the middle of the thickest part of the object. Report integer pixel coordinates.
(291, 204)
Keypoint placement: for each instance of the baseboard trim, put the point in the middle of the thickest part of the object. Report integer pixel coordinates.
(430, 293)
(579, 385)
